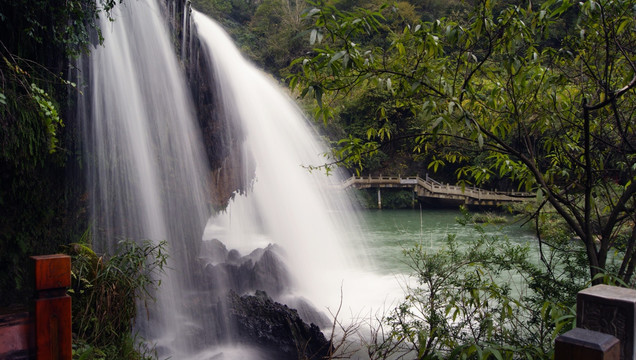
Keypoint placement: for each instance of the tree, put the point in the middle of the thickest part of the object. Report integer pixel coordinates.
(276, 24)
(554, 117)
(40, 201)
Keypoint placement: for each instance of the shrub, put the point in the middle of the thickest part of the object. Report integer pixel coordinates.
(106, 292)
(486, 299)
(489, 218)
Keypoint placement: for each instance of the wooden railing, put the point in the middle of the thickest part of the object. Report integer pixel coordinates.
(42, 332)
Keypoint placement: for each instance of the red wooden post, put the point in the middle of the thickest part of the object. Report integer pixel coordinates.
(53, 307)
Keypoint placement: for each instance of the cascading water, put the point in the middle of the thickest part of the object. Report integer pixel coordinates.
(147, 175)
(148, 180)
(305, 212)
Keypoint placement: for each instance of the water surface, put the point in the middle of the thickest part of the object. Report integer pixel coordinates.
(389, 232)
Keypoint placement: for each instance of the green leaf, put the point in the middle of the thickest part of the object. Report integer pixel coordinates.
(311, 12)
(318, 95)
(337, 56)
(496, 353)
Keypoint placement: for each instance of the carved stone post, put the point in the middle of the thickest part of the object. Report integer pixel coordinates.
(610, 310)
(53, 307)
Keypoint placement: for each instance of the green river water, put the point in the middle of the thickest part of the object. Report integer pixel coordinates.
(389, 232)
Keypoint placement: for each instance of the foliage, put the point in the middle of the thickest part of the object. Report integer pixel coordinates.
(131, 348)
(279, 29)
(240, 11)
(555, 118)
(41, 203)
(391, 198)
(489, 218)
(106, 293)
(34, 29)
(35, 207)
(480, 300)
(30, 115)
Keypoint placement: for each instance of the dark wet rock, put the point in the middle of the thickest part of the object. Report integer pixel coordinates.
(256, 254)
(270, 274)
(275, 329)
(213, 251)
(234, 256)
(278, 331)
(307, 311)
(263, 269)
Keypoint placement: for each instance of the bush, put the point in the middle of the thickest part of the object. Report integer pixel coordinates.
(486, 299)
(105, 294)
(391, 198)
(489, 218)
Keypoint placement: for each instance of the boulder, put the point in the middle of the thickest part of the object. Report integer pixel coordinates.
(214, 251)
(261, 270)
(277, 330)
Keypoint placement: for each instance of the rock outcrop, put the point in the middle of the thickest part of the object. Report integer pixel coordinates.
(275, 329)
(232, 301)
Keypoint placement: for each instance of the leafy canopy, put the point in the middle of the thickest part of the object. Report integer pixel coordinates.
(552, 115)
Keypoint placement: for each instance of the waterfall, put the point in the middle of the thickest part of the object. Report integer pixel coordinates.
(147, 174)
(305, 212)
(291, 233)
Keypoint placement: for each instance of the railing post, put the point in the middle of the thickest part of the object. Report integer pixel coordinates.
(610, 310)
(53, 307)
(583, 344)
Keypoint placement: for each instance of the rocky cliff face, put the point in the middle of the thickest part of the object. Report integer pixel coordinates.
(222, 139)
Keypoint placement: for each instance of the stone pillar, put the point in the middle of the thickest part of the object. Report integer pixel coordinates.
(379, 199)
(610, 310)
(582, 344)
(413, 198)
(53, 307)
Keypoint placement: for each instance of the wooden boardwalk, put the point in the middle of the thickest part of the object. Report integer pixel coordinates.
(429, 189)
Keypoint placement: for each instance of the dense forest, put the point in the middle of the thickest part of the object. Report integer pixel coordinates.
(535, 96)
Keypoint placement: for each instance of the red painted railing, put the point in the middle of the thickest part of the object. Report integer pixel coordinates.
(44, 331)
